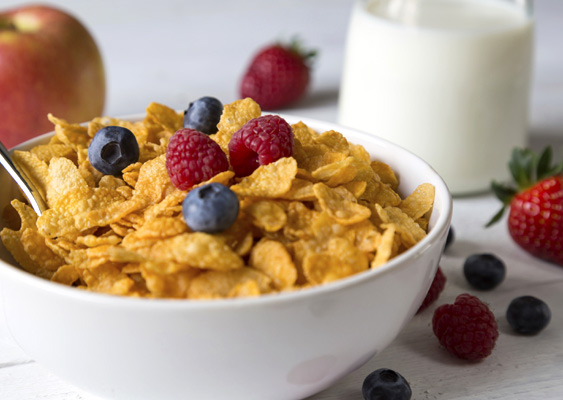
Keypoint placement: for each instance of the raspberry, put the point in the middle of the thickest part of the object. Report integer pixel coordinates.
(467, 328)
(435, 289)
(192, 157)
(260, 141)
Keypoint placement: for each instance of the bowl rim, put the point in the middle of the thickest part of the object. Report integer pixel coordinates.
(440, 228)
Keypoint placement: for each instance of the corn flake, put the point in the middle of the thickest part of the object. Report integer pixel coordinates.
(272, 258)
(327, 212)
(272, 180)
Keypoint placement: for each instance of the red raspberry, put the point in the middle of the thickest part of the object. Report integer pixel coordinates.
(260, 141)
(435, 289)
(192, 157)
(467, 328)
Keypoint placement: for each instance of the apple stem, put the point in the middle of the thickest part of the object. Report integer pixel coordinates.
(7, 25)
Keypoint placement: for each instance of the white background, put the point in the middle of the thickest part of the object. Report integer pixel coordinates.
(174, 51)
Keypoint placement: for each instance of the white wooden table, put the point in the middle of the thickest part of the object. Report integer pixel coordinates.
(152, 53)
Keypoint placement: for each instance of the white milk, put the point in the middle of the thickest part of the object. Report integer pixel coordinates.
(447, 79)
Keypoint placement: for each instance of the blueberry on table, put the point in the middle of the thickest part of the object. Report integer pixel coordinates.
(528, 315)
(210, 208)
(484, 271)
(112, 149)
(203, 115)
(386, 384)
(450, 238)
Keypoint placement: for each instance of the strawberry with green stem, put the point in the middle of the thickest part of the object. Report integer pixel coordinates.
(535, 220)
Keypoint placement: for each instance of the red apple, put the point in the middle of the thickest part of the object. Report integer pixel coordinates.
(49, 63)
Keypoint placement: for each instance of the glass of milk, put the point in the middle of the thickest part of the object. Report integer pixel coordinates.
(447, 79)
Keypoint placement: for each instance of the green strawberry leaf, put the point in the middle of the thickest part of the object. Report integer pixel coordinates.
(558, 169)
(503, 192)
(522, 166)
(527, 168)
(496, 217)
(544, 168)
(544, 163)
(296, 45)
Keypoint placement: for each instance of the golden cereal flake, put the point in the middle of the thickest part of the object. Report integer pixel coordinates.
(340, 204)
(12, 240)
(199, 250)
(301, 190)
(234, 116)
(73, 135)
(34, 245)
(168, 285)
(66, 274)
(385, 248)
(337, 173)
(63, 177)
(385, 173)
(167, 118)
(267, 215)
(270, 181)
(222, 284)
(340, 260)
(36, 170)
(302, 133)
(334, 141)
(107, 278)
(272, 258)
(46, 152)
(419, 202)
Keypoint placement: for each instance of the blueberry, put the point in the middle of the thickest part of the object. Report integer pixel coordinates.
(210, 208)
(528, 315)
(383, 384)
(451, 237)
(112, 149)
(484, 271)
(203, 115)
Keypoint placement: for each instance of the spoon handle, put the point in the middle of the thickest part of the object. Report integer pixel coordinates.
(27, 187)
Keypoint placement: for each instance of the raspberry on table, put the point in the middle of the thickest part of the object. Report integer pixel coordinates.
(192, 157)
(435, 289)
(260, 141)
(467, 328)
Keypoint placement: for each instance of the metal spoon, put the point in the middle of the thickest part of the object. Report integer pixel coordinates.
(36, 201)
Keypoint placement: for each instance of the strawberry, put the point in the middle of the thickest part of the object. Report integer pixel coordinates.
(535, 221)
(278, 75)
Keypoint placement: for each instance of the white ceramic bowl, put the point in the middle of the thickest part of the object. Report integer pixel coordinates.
(285, 346)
